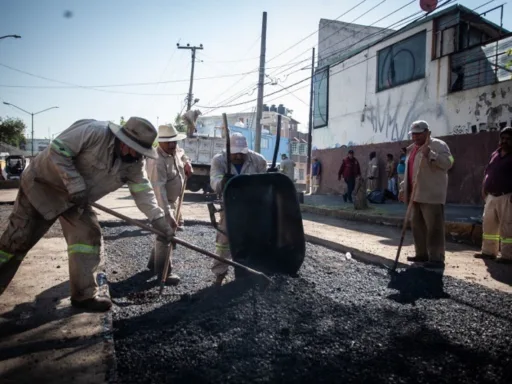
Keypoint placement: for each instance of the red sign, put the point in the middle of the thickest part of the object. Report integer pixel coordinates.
(428, 5)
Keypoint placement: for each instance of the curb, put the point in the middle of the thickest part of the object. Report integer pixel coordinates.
(456, 231)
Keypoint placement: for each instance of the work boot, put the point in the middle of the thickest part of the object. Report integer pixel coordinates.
(95, 304)
(220, 278)
(172, 279)
(417, 259)
(484, 256)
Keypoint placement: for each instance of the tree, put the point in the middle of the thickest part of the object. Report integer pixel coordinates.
(122, 121)
(178, 124)
(508, 65)
(12, 131)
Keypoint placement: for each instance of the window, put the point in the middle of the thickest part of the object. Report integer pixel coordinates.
(301, 174)
(402, 62)
(295, 148)
(264, 143)
(302, 149)
(321, 98)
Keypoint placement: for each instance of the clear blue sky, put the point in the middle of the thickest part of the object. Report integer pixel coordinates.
(128, 41)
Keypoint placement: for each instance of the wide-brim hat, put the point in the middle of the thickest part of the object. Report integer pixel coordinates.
(168, 133)
(137, 133)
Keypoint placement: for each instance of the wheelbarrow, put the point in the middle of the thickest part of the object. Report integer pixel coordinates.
(263, 219)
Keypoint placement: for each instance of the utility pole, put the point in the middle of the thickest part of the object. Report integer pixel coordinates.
(261, 81)
(310, 128)
(193, 49)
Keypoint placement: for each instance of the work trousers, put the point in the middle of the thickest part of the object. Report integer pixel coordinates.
(427, 224)
(392, 186)
(173, 188)
(351, 184)
(497, 225)
(371, 185)
(82, 233)
(315, 184)
(222, 248)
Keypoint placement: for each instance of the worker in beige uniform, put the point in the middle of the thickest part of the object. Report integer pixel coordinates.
(288, 167)
(243, 162)
(167, 175)
(88, 160)
(427, 220)
(372, 173)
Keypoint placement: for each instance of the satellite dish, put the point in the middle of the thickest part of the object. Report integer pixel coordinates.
(428, 5)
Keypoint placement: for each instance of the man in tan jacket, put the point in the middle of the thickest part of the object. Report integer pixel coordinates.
(430, 160)
(88, 160)
(167, 175)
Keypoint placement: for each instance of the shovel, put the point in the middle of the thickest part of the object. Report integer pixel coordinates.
(158, 233)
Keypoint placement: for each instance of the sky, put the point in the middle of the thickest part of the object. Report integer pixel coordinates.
(87, 64)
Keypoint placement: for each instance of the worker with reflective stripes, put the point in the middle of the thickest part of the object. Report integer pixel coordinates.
(497, 193)
(427, 220)
(88, 160)
(243, 162)
(167, 175)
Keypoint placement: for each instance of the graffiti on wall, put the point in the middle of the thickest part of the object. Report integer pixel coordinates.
(395, 122)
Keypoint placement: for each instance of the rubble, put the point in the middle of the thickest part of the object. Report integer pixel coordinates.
(339, 321)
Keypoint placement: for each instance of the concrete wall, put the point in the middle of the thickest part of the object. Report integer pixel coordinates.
(359, 115)
(471, 153)
(335, 38)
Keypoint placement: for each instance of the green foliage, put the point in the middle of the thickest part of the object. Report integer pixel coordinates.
(12, 131)
(122, 121)
(508, 65)
(179, 124)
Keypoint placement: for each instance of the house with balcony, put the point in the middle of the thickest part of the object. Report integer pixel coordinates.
(450, 68)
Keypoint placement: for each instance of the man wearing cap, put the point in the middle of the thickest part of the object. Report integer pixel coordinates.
(288, 167)
(88, 160)
(243, 162)
(497, 194)
(429, 159)
(167, 176)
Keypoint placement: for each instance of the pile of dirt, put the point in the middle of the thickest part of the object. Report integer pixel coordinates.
(340, 321)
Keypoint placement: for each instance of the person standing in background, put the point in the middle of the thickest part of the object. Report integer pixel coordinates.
(372, 173)
(400, 168)
(316, 173)
(350, 170)
(288, 167)
(391, 174)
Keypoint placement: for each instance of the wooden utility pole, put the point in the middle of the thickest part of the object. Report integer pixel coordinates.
(193, 49)
(310, 128)
(261, 81)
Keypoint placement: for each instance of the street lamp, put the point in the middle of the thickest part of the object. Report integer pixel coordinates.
(13, 36)
(31, 114)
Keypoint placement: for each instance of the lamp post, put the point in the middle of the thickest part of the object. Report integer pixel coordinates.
(31, 114)
(13, 36)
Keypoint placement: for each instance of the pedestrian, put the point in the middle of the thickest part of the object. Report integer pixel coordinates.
(243, 162)
(391, 174)
(288, 167)
(372, 173)
(497, 193)
(350, 170)
(167, 176)
(427, 220)
(400, 168)
(89, 159)
(316, 173)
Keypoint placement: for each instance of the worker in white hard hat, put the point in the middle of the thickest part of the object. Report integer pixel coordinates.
(84, 163)
(167, 175)
(243, 162)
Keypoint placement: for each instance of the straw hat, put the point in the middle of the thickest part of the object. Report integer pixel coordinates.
(167, 133)
(137, 133)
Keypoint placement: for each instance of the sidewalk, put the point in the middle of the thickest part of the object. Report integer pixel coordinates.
(463, 222)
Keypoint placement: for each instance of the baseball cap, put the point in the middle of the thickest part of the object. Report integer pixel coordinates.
(419, 126)
(238, 143)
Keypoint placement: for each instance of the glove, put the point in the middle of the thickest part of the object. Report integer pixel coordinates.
(224, 181)
(163, 226)
(79, 198)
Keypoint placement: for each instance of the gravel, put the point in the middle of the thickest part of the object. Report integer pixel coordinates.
(340, 321)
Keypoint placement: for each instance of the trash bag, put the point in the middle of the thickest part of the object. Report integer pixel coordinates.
(376, 197)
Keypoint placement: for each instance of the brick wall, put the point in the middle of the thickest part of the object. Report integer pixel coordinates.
(471, 153)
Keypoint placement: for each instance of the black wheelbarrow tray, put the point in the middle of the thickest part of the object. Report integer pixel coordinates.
(264, 223)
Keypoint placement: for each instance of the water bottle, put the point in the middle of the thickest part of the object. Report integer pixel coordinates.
(348, 256)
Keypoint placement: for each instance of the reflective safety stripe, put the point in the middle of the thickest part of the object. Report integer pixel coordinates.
(134, 188)
(218, 177)
(155, 143)
(5, 257)
(451, 159)
(487, 236)
(59, 147)
(222, 247)
(83, 248)
(506, 240)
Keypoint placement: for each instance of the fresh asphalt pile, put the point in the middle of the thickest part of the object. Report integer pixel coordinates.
(340, 321)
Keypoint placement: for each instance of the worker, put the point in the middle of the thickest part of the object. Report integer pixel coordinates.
(316, 172)
(243, 162)
(372, 173)
(288, 167)
(497, 193)
(167, 175)
(427, 220)
(88, 160)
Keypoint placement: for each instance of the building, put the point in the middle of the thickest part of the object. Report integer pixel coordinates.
(39, 145)
(299, 154)
(449, 68)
